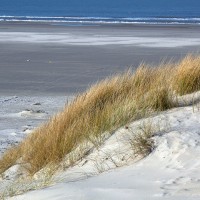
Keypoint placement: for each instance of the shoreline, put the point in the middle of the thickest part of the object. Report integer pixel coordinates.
(63, 25)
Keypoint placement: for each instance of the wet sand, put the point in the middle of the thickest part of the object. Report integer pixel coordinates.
(50, 59)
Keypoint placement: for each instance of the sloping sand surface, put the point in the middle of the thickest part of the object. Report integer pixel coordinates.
(171, 171)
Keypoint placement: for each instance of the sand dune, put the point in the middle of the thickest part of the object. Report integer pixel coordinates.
(171, 171)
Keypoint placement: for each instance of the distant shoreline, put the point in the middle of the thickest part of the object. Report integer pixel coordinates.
(138, 24)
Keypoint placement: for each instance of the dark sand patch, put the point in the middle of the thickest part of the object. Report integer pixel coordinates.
(35, 68)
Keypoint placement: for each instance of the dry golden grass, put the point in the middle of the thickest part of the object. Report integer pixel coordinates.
(106, 106)
(187, 75)
(9, 158)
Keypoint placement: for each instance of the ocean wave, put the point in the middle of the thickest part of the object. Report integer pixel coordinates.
(102, 20)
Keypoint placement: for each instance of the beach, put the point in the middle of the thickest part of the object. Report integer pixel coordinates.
(50, 58)
(45, 65)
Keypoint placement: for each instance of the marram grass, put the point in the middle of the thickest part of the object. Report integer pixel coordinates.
(103, 108)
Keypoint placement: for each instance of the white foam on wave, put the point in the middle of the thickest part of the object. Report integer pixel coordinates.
(97, 22)
(102, 20)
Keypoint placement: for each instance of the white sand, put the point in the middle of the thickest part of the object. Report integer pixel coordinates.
(171, 171)
(101, 39)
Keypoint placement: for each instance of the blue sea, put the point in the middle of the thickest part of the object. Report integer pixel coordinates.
(102, 11)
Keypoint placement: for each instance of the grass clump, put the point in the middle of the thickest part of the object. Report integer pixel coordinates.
(142, 142)
(187, 75)
(103, 108)
(9, 158)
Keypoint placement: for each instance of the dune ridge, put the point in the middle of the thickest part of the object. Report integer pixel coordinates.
(92, 117)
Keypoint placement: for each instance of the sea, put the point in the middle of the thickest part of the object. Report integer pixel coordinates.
(102, 11)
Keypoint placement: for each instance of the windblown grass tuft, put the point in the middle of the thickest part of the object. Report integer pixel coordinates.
(187, 75)
(142, 142)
